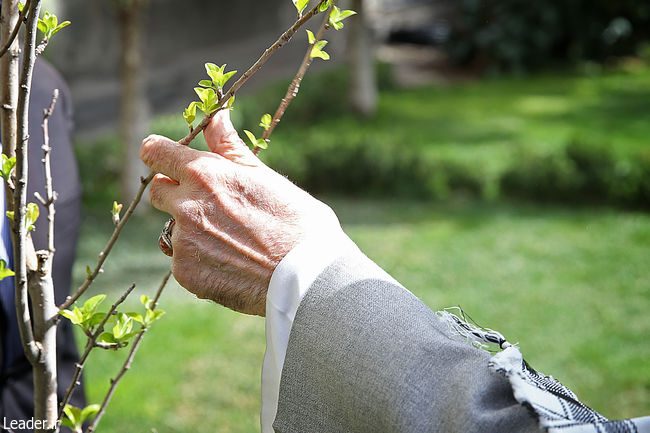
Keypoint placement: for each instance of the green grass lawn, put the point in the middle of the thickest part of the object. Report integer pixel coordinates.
(571, 286)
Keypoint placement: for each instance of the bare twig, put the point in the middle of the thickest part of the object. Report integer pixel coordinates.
(283, 39)
(294, 87)
(91, 343)
(127, 363)
(14, 32)
(50, 195)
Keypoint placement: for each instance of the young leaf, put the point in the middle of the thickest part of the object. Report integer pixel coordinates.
(144, 299)
(136, 316)
(7, 166)
(190, 112)
(205, 83)
(251, 137)
(106, 338)
(122, 327)
(73, 414)
(115, 212)
(4, 271)
(231, 101)
(10, 214)
(317, 50)
(31, 216)
(59, 27)
(265, 122)
(151, 316)
(89, 272)
(300, 5)
(311, 37)
(323, 6)
(67, 314)
(88, 412)
(226, 77)
(337, 16)
(90, 306)
(42, 27)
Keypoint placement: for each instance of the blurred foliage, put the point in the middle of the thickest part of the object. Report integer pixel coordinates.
(563, 138)
(517, 36)
(581, 173)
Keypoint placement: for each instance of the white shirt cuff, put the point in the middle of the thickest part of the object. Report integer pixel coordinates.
(289, 284)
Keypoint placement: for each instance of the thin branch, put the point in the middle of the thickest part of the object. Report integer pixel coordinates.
(90, 345)
(127, 363)
(32, 350)
(283, 39)
(294, 87)
(109, 245)
(14, 32)
(49, 193)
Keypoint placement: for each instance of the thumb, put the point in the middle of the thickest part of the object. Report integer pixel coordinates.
(222, 138)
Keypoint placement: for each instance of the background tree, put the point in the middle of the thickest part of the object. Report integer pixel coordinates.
(134, 106)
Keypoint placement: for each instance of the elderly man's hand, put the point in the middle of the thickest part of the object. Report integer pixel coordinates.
(235, 217)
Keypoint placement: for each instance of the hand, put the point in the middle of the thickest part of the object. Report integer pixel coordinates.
(236, 218)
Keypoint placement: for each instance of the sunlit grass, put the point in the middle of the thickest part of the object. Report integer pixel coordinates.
(572, 287)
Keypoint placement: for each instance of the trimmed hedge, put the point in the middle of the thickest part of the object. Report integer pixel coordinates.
(581, 174)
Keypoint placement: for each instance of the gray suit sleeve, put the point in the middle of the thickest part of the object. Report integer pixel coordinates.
(365, 355)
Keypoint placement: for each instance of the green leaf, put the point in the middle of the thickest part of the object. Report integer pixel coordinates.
(66, 422)
(7, 166)
(317, 50)
(78, 318)
(73, 414)
(337, 16)
(107, 338)
(59, 27)
(211, 67)
(323, 6)
(122, 327)
(251, 137)
(21, 6)
(144, 299)
(68, 315)
(90, 306)
(31, 216)
(345, 14)
(205, 83)
(190, 112)
(88, 412)
(10, 214)
(151, 316)
(311, 37)
(231, 101)
(265, 122)
(42, 27)
(89, 272)
(136, 316)
(4, 271)
(51, 20)
(226, 77)
(117, 208)
(300, 5)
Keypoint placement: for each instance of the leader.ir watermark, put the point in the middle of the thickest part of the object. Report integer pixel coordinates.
(26, 424)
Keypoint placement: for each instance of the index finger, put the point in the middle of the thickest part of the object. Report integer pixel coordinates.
(166, 156)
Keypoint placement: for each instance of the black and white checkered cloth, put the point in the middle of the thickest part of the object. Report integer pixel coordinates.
(556, 406)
